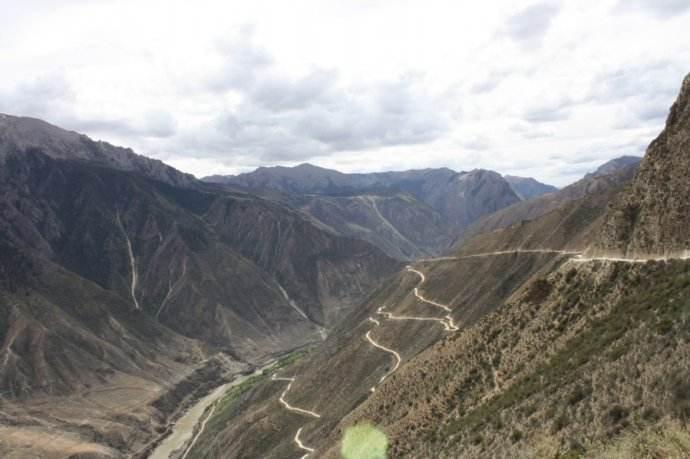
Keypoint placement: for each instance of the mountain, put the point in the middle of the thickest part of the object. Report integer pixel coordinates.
(522, 343)
(610, 175)
(23, 134)
(614, 165)
(653, 216)
(527, 187)
(350, 204)
(124, 280)
(397, 223)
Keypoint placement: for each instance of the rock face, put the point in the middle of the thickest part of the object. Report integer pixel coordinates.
(448, 200)
(653, 216)
(527, 187)
(189, 263)
(22, 134)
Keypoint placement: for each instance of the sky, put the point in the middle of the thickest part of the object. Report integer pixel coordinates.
(547, 89)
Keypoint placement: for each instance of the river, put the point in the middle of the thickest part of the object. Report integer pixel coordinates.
(183, 429)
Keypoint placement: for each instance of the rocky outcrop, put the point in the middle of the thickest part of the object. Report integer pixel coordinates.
(653, 216)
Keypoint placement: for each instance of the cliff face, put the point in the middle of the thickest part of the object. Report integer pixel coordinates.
(653, 215)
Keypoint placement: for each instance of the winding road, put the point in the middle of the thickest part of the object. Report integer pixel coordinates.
(284, 402)
(395, 355)
(302, 445)
(447, 320)
(297, 410)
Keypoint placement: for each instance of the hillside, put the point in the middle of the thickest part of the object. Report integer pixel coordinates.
(400, 225)
(515, 345)
(611, 174)
(116, 284)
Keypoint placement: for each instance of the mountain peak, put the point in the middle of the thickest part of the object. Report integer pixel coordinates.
(19, 134)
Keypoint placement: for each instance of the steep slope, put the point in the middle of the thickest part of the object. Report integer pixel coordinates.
(527, 187)
(204, 263)
(117, 290)
(22, 133)
(349, 365)
(610, 174)
(399, 224)
(654, 215)
(545, 352)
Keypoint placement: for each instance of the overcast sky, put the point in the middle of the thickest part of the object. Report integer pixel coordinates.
(544, 89)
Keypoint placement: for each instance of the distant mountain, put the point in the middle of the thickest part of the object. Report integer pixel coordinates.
(615, 165)
(527, 187)
(457, 199)
(610, 175)
(399, 224)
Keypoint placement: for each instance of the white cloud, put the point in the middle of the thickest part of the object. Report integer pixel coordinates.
(224, 86)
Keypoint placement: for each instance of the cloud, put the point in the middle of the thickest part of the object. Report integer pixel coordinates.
(335, 120)
(54, 99)
(660, 78)
(44, 97)
(155, 124)
(551, 111)
(241, 60)
(276, 117)
(279, 94)
(530, 131)
(489, 81)
(529, 26)
(477, 143)
(662, 9)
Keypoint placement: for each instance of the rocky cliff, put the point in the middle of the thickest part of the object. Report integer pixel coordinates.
(653, 216)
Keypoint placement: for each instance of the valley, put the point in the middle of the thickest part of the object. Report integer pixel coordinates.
(145, 313)
(345, 230)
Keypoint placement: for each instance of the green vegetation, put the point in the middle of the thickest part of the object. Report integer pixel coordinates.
(288, 360)
(226, 407)
(658, 297)
(364, 441)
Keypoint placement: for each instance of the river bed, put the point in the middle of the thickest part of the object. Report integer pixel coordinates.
(183, 429)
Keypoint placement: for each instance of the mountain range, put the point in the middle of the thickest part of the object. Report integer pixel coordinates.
(409, 214)
(563, 335)
(455, 313)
